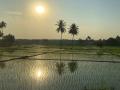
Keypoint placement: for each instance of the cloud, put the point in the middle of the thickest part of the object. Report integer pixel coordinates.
(16, 13)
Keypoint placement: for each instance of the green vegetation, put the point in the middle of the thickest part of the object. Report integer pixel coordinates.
(2, 26)
(6, 40)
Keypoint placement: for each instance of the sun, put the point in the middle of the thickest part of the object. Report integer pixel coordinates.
(40, 9)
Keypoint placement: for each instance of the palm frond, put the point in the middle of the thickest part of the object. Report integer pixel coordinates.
(74, 29)
(61, 26)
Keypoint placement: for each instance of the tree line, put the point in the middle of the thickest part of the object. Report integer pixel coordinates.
(74, 30)
(61, 28)
(5, 40)
(101, 42)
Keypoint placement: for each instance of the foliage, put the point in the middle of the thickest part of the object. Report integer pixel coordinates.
(73, 29)
(1, 33)
(2, 25)
(8, 40)
(88, 38)
(61, 26)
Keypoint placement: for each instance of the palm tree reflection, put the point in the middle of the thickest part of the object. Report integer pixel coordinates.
(73, 31)
(60, 29)
(60, 67)
(72, 66)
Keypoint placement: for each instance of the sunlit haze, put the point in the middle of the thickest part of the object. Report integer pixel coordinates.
(36, 19)
(40, 9)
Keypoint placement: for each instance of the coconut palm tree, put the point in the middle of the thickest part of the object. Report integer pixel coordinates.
(60, 29)
(2, 25)
(73, 31)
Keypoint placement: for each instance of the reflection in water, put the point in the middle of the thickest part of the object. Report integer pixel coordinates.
(85, 88)
(10, 50)
(73, 66)
(39, 73)
(100, 52)
(1, 54)
(60, 67)
(101, 88)
(2, 65)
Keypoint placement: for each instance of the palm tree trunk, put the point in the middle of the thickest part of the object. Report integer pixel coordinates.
(61, 47)
(72, 45)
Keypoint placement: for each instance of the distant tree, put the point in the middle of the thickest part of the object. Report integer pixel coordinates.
(8, 39)
(113, 41)
(88, 38)
(2, 25)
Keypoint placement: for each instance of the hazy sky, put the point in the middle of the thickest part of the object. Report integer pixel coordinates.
(96, 18)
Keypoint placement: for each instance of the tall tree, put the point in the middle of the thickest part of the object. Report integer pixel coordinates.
(60, 29)
(2, 25)
(73, 31)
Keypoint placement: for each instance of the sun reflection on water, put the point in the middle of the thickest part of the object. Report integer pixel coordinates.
(39, 73)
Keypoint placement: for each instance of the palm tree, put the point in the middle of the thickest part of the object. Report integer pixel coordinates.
(2, 25)
(73, 31)
(61, 29)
